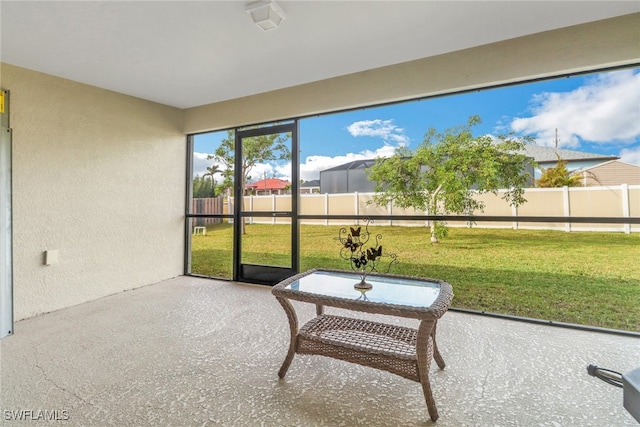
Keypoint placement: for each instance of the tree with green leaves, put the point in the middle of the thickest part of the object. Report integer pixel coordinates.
(256, 150)
(202, 187)
(444, 173)
(211, 171)
(558, 176)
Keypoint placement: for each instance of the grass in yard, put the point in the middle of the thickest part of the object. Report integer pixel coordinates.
(589, 278)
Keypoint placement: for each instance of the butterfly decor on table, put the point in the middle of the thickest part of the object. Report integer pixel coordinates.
(363, 258)
(351, 244)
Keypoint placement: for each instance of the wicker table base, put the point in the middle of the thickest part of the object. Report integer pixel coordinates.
(378, 345)
(403, 351)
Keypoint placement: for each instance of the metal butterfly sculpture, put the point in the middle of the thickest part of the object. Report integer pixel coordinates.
(362, 259)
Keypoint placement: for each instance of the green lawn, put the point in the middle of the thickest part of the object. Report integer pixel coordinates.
(589, 278)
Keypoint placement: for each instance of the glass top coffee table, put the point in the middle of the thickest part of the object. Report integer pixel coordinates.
(397, 349)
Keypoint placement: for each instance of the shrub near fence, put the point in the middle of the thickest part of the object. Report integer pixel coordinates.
(612, 201)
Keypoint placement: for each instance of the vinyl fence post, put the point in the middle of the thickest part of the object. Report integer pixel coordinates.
(273, 207)
(567, 207)
(626, 209)
(251, 208)
(326, 207)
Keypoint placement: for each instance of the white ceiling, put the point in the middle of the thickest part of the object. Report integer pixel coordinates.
(185, 54)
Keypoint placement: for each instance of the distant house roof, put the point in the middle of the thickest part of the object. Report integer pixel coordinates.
(604, 164)
(550, 154)
(538, 153)
(356, 164)
(269, 184)
(312, 183)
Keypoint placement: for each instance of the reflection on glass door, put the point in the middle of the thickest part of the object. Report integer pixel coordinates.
(265, 221)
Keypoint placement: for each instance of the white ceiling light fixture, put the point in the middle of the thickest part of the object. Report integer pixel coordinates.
(266, 14)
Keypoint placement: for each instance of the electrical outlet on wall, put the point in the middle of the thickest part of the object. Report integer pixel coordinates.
(51, 257)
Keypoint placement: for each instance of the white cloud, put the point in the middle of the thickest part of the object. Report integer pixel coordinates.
(384, 129)
(312, 165)
(606, 110)
(631, 155)
(264, 170)
(258, 172)
(310, 169)
(200, 165)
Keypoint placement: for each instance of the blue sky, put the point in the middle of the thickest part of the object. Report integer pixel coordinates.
(596, 113)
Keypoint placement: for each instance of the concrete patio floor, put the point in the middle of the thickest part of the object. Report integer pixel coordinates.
(198, 352)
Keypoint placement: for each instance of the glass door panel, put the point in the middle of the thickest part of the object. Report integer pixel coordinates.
(210, 225)
(266, 228)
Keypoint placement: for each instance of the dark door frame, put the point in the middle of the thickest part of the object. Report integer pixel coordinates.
(262, 274)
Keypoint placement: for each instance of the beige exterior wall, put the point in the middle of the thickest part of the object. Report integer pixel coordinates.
(584, 47)
(612, 173)
(98, 177)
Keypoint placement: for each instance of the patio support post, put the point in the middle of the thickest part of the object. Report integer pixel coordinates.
(6, 221)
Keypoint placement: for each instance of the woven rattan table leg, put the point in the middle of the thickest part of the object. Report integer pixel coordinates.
(424, 353)
(436, 354)
(319, 309)
(293, 325)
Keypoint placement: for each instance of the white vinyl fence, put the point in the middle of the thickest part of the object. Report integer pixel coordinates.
(613, 201)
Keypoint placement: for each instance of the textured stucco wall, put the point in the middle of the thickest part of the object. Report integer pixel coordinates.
(99, 177)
